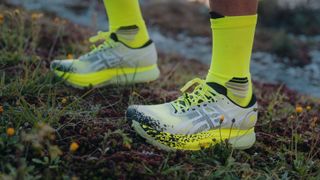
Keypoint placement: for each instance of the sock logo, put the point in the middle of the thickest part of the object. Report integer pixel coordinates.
(238, 86)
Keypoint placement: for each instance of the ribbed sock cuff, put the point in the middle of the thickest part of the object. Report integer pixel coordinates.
(234, 22)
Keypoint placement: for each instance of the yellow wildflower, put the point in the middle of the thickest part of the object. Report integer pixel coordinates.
(69, 56)
(10, 131)
(299, 109)
(74, 147)
(308, 108)
(221, 118)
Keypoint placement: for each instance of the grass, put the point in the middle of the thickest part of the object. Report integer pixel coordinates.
(40, 118)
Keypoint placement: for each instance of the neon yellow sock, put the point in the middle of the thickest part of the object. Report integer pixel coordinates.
(232, 47)
(123, 15)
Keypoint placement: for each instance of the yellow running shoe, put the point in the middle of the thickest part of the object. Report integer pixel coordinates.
(196, 120)
(112, 62)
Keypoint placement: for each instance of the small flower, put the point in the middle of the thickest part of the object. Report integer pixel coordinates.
(36, 16)
(1, 109)
(1, 18)
(204, 145)
(74, 147)
(299, 109)
(221, 118)
(64, 100)
(10, 131)
(308, 108)
(69, 56)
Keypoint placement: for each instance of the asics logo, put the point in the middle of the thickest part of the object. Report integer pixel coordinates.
(204, 119)
(103, 60)
(109, 60)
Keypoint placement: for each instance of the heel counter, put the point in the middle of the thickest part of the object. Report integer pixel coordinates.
(142, 57)
(148, 56)
(250, 118)
(153, 54)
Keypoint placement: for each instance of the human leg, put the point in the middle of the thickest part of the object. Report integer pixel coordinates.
(233, 25)
(221, 107)
(126, 56)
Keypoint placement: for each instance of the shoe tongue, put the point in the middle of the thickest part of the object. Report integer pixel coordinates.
(190, 97)
(112, 37)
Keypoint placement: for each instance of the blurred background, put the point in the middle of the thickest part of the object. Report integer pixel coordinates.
(287, 44)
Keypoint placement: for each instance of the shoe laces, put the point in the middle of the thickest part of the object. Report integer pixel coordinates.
(105, 36)
(201, 93)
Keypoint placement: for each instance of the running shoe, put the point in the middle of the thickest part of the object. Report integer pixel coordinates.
(112, 62)
(196, 120)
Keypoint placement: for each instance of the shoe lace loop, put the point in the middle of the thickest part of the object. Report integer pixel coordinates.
(105, 36)
(201, 93)
(101, 35)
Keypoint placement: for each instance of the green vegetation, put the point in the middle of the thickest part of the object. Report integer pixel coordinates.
(51, 131)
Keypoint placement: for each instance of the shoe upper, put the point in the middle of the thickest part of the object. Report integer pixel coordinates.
(195, 112)
(111, 54)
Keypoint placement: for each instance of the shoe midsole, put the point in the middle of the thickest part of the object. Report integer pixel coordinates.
(240, 139)
(120, 75)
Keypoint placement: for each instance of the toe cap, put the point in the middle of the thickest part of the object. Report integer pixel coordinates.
(132, 113)
(135, 113)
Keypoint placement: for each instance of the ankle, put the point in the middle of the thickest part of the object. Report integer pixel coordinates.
(237, 89)
(240, 92)
(134, 36)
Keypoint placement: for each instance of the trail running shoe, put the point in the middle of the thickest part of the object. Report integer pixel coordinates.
(196, 120)
(110, 63)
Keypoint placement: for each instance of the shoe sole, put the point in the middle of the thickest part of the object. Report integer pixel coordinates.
(119, 76)
(239, 139)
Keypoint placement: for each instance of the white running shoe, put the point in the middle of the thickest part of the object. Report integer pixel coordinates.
(196, 120)
(110, 63)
